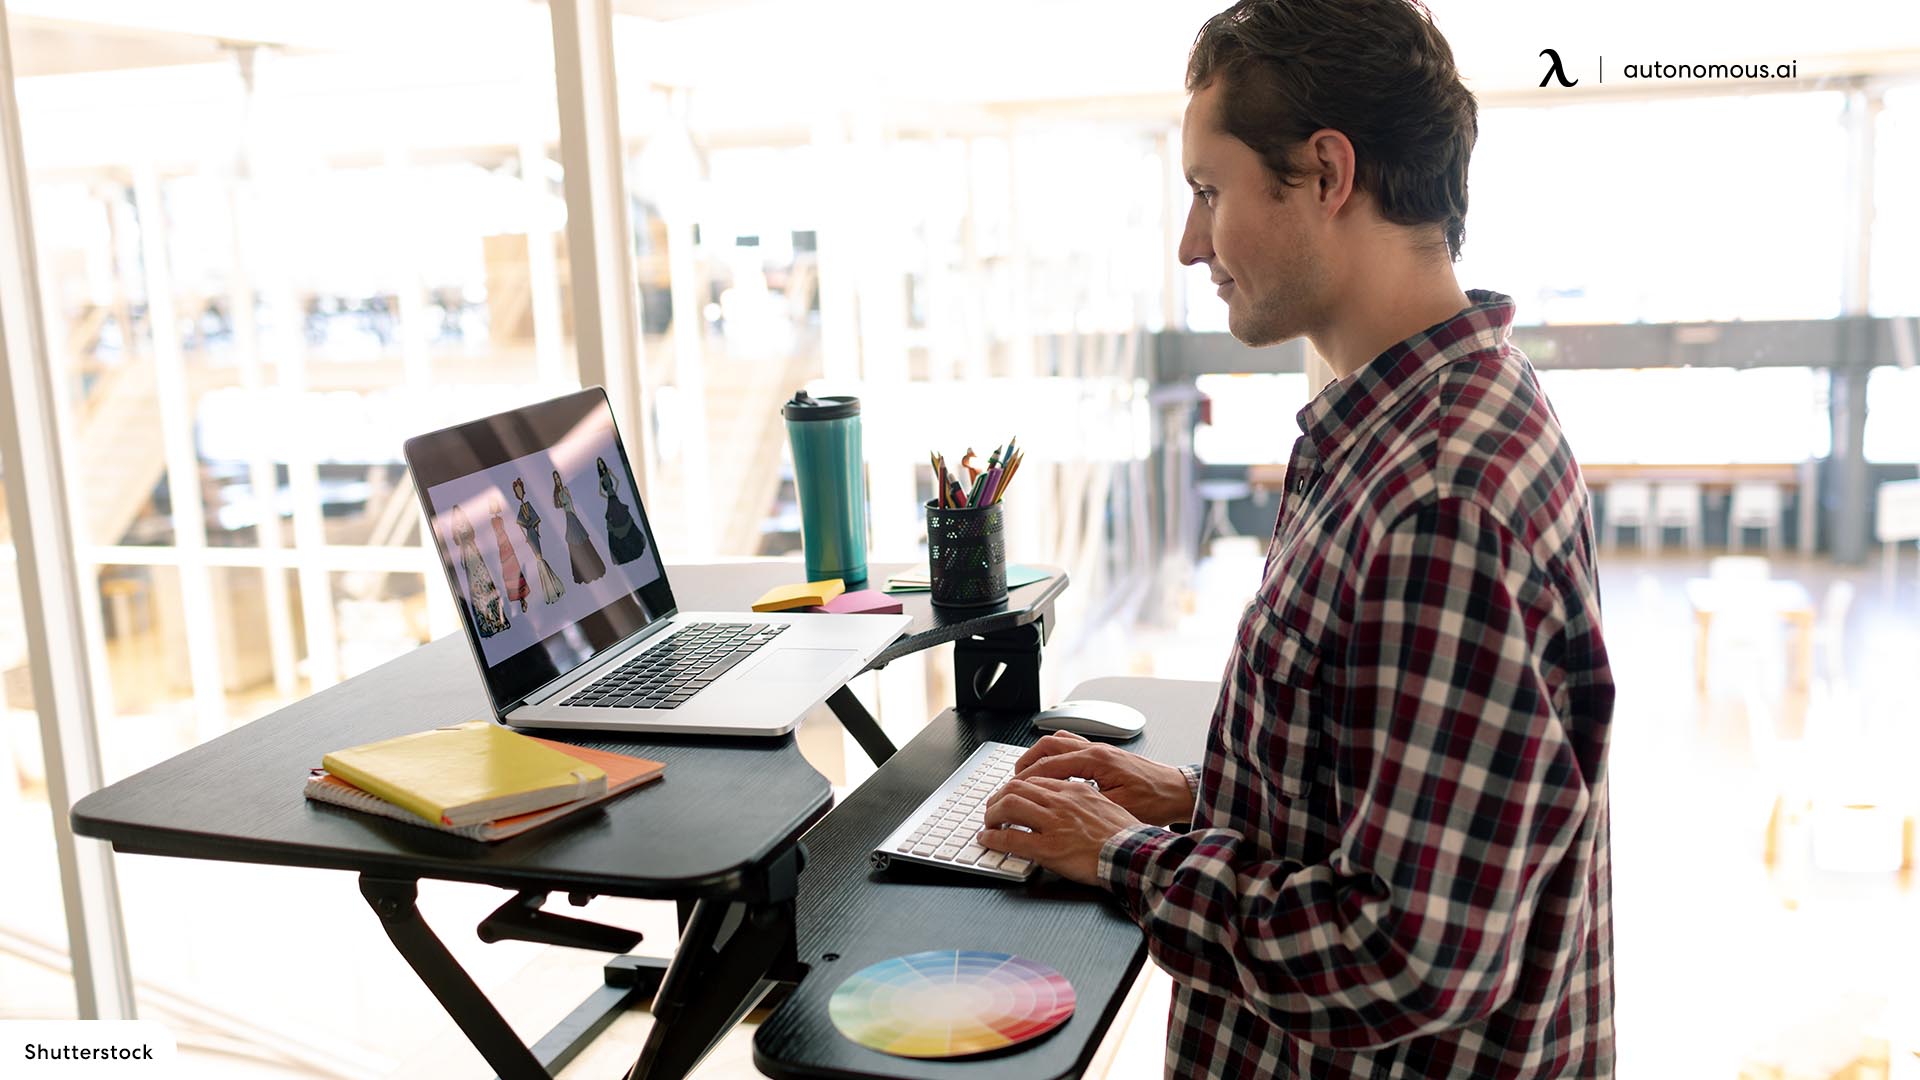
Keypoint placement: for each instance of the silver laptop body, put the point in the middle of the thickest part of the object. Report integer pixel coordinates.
(551, 559)
(766, 693)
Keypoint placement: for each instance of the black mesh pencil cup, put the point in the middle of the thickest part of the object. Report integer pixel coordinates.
(966, 555)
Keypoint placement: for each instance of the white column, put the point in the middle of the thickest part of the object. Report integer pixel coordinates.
(183, 463)
(890, 450)
(93, 625)
(837, 253)
(689, 329)
(942, 334)
(977, 337)
(1173, 204)
(288, 347)
(1860, 119)
(1020, 343)
(9, 769)
(606, 315)
(901, 687)
(262, 476)
(543, 268)
(416, 334)
(50, 597)
(309, 522)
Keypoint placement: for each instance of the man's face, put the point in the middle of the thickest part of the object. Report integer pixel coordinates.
(1258, 246)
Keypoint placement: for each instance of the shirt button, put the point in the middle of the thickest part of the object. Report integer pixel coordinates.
(1300, 486)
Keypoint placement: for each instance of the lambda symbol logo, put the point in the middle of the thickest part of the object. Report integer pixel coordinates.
(1554, 71)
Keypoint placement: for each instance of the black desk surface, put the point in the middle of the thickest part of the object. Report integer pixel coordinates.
(238, 797)
(735, 586)
(862, 915)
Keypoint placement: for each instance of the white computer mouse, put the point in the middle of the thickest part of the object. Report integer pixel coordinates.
(1093, 719)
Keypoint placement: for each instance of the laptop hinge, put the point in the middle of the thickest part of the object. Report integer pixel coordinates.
(560, 684)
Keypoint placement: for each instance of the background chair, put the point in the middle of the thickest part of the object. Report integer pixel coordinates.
(1830, 633)
(1629, 506)
(1755, 506)
(1219, 496)
(1746, 639)
(1896, 519)
(1677, 506)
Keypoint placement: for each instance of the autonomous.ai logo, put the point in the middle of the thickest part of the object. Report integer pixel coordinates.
(1716, 71)
(1555, 71)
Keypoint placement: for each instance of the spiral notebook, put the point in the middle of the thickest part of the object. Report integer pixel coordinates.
(624, 773)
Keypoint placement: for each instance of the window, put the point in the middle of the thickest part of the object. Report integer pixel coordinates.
(262, 269)
(1660, 211)
(1896, 210)
(1692, 416)
(1893, 416)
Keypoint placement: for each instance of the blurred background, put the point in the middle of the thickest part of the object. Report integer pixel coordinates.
(270, 240)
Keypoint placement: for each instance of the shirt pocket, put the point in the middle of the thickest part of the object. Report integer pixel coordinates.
(1282, 674)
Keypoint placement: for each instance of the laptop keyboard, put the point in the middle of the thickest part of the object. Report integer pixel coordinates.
(668, 674)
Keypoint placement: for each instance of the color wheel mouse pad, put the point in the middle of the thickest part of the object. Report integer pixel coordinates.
(950, 1002)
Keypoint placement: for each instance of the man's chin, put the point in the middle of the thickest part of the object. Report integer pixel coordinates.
(1256, 334)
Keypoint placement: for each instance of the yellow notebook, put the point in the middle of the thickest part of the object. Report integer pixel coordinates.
(623, 774)
(807, 594)
(468, 773)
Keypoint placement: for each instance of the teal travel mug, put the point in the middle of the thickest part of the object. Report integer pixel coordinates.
(825, 435)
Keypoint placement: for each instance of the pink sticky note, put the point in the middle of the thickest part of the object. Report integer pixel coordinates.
(863, 602)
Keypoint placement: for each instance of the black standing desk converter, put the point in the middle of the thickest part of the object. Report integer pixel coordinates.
(996, 649)
(852, 915)
(730, 861)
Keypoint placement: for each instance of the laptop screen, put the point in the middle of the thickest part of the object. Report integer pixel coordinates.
(543, 538)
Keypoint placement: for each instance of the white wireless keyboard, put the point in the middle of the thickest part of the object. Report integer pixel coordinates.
(940, 832)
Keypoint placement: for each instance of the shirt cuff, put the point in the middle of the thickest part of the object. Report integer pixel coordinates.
(1192, 774)
(1125, 859)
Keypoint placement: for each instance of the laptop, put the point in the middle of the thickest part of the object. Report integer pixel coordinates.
(558, 581)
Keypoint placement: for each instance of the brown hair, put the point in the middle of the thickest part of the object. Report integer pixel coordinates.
(1375, 70)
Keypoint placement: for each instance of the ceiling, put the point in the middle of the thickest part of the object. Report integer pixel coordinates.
(986, 51)
(57, 48)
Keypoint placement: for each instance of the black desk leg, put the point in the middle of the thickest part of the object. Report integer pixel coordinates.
(861, 725)
(393, 901)
(999, 671)
(729, 947)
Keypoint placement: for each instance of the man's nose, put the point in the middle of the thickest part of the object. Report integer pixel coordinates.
(1196, 241)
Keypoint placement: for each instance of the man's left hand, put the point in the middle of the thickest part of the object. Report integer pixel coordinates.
(1070, 820)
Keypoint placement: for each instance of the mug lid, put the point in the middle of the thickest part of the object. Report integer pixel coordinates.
(805, 406)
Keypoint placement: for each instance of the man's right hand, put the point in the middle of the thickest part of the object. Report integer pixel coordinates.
(1154, 793)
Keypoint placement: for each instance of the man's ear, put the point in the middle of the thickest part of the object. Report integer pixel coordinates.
(1330, 161)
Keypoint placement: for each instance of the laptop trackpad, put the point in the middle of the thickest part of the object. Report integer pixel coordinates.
(798, 665)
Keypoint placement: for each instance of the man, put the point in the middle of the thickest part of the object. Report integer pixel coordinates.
(1397, 855)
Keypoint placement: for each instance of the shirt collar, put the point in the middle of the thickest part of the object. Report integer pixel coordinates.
(1345, 405)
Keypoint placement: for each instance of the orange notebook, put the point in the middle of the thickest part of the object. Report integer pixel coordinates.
(624, 773)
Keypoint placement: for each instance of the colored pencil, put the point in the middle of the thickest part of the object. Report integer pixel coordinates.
(1012, 468)
(973, 486)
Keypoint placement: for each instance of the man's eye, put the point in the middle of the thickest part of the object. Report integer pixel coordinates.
(1205, 195)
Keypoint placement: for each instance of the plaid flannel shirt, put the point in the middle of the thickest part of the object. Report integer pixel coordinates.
(1397, 865)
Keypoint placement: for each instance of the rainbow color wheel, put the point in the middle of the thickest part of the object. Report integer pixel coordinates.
(950, 1002)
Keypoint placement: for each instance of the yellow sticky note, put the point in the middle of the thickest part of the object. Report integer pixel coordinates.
(809, 594)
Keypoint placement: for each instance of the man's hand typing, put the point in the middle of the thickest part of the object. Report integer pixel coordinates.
(1062, 825)
(1154, 793)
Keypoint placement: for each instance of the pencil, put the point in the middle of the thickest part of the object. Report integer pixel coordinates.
(1013, 467)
